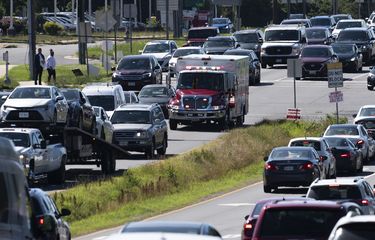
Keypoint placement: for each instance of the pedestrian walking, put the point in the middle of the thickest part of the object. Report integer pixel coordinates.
(39, 66)
(51, 66)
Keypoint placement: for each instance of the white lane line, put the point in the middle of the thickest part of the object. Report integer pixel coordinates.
(359, 76)
(236, 204)
(98, 238)
(231, 236)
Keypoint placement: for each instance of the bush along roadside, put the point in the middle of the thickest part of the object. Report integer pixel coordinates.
(229, 162)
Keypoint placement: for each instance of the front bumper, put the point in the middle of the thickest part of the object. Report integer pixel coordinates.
(133, 85)
(196, 115)
(277, 59)
(288, 180)
(137, 145)
(314, 72)
(371, 81)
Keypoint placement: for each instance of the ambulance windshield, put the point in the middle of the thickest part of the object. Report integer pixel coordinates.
(209, 80)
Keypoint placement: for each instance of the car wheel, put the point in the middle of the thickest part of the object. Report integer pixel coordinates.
(224, 123)
(150, 151)
(264, 65)
(360, 169)
(267, 188)
(172, 124)
(163, 149)
(258, 79)
(108, 163)
(370, 88)
(54, 118)
(58, 176)
(270, 65)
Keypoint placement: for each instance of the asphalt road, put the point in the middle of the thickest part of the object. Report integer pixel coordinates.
(270, 100)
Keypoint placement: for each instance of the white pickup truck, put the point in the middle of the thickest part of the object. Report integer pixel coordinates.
(40, 160)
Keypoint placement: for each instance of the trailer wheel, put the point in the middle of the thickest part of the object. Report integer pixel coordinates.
(108, 163)
(150, 151)
(172, 124)
(58, 176)
(163, 149)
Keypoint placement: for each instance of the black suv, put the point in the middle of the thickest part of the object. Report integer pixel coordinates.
(140, 128)
(355, 190)
(47, 220)
(251, 39)
(135, 71)
(364, 39)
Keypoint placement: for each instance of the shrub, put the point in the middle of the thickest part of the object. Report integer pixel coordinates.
(52, 28)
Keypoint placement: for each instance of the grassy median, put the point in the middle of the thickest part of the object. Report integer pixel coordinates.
(232, 161)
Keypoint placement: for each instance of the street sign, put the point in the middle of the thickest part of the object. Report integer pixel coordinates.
(336, 96)
(5, 56)
(335, 76)
(293, 113)
(105, 20)
(294, 68)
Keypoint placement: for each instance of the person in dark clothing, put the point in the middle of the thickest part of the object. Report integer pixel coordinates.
(39, 66)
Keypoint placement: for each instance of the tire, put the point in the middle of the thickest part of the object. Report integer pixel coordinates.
(271, 65)
(370, 88)
(80, 121)
(58, 176)
(264, 65)
(150, 152)
(258, 79)
(108, 163)
(267, 188)
(241, 119)
(360, 170)
(224, 122)
(172, 124)
(161, 151)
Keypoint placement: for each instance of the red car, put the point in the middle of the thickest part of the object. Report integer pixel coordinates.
(315, 59)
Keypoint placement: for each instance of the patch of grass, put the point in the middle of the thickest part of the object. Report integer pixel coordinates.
(64, 76)
(154, 188)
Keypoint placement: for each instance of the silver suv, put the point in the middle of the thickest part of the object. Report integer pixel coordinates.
(140, 128)
(281, 43)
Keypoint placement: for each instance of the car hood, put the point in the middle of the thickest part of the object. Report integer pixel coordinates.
(250, 46)
(199, 92)
(20, 150)
(316, 41)
(159, 100)
(131, 126)
(345, 56)
(314, 59)
(158, 55)
(26, 102)
(356, 42)
(279, 44)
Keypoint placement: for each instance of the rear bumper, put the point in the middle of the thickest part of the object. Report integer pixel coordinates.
(288, 180)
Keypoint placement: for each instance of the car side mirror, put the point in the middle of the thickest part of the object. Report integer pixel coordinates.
(323, 158)
(265, 158)
(334, 57)
(303, 40)
(82, 100)
(260, 40)
(354, 115)
(113, 68)
(43, 144)
(4, 97)
(157, 121)
(140, 51)
(59, 98)
(65, 212)
(247, 217)
(157, 67)
(238, 45)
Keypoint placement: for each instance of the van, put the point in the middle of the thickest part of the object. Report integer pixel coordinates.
(14, 202)
(106, 95)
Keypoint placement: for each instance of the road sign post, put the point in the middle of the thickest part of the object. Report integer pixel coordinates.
(335, 80)
(294, 71)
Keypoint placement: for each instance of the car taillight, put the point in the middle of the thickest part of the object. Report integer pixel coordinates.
(364, 202)
(360, 142)
(345, 155)
(41, 221)
(307, 166)
(270, 166)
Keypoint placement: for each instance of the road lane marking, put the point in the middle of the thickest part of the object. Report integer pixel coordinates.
(236, 204)
(98, 238)
(231, 236)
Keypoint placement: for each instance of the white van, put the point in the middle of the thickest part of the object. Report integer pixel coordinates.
(106, 95)
(14, 203)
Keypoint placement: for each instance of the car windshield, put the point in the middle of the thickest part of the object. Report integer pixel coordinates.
(127, 97)
(293, 22)
(342, 17)
(219, 21)
(315, 33)
(367, 112)
(282, 35)
(105, 101)
(342, 25)
(19, 139)
(239, 53)
(43, 93)
(70, 94)
(202, 33)
(294, 153)
(368, 124)
(320, 22)
(130, 117)
(161, 228)
(247, 37)
(154, 92)
(219, 43)
(134, 64)
(156, 48)
(306, 143)
(299, 223)
(352, 36)
(211, 81)
(343, 49)
(334, 192)
(337, 142)
(355, 231)
(316, 52)
(185, 52)
(342, 131)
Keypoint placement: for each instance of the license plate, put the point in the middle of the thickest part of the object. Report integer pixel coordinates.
(23, 115)
(288, 168)
(200, 115)
(190, 115)
(312, 72)
(123, 143)
(131, 83)
(279, 60)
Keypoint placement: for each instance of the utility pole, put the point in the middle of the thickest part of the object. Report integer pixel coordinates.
(11, 27)
(149, 10)
(304, 8)
(288, 8)
(82, 46)
(274, 6)
(90, 8)
(167, 18)
(31, 32)
(54, 7)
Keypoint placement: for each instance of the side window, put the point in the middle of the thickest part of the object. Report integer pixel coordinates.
(213, 232)
(54, 92)
(39, 136)
(161, 114)
(364, 132)
(369, 191)
(35, 139)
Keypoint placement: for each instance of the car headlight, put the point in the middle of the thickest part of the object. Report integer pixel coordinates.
(226, 27)
(24, 158)
(364, 47)
(352, 59)
(141, 134)
(172, 64)
(295, 49)
(218, 107)
(146, 75)
(371, 75)
(263, 50)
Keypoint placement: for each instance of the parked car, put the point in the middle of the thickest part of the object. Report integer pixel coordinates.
(298, 220)
(348, 23)
(183, 227)
(223, 24)
(219, 44)
(371, 79)
(198, 35)
(141, 128)
(81, 114)
(354, 228)
(47, 220)
(348, 156)
(315, 59)
(35, 106)
(305, 22)
(349, 55)
(323, 21)
(135, 71)
(338, 17)
(104, 127)
(357, 134)
(131, 97)
(182, 51)
(157, 93)
(251, 39)
(364, 39)
(291, 166)
(162, 50)
(254, 63)
(355, 190)
(323, 149)
(318, 35)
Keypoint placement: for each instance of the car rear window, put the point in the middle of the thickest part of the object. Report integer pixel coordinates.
(342, 131)
(306, 143)
(168, 229)
(355, 231)
(334, 192)
(202, 33)
(299, 223)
